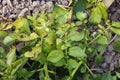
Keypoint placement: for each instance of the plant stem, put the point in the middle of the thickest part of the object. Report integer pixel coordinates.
(46, 70)
(74, 71)
(89, 70)
(94, 39)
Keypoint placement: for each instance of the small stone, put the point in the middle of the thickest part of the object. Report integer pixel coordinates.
(110, 48)
(4, 2)
(104, 65)
(42, 2)
(13, 16)
(35, 3)
(111, 66)
(108, 58)
(49, 5)
(19, 46)
(22, 13)
(112, 53)
(15, 2)
(65, 2)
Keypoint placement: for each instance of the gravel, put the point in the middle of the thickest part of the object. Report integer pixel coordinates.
(12, 9)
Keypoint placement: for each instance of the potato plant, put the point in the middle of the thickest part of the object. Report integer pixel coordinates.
(57, 45)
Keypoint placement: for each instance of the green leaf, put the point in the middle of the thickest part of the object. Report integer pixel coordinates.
(79, 6)
(116, 46)
(17, 65)
(114, 77)
(116, 24)
(76, 52)
(2, 50)
(76, 36)
(59, 10)
(78, 23)
(107, 76)
(99, 59)
(8, 40)
(95, 16)
(62, 19)
(50, 39)
(83, 69)
(118, 74)
(101, 48)
(102, 40)
(103, 10)
(2, 63)
(22, 25)
(115, 30)
(55, 56)
(72, 64)
(81, 15)
(60, 63)
(11, 56)
(41, 75)
(24, 74)
(3, 33)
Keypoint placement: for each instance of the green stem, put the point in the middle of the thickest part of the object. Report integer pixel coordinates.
(94, 39)
(89, 70)
(99, 34)
(46, 70)
(74, 71)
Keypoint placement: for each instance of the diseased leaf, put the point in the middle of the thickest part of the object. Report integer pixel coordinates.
(76, 36)
(95, 16)
(24, 37)
(22, 25)
(36, 50)
(55, 56)
(6, 26)
(76, 52)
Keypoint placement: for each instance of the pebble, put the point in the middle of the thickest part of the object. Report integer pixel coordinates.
(22, 13)
(110, 48)
(108, 58)
(35, 3)
(16, 8)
